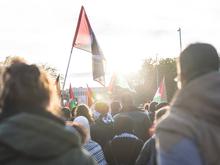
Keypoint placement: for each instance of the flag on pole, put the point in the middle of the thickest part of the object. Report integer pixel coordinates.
(85, 39)
(71, 93)
(161, 93)
(90, 96)
(57, 83)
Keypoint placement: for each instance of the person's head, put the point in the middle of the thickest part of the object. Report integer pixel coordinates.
(146, 106)
(102, 108)
(158, 115)
(27, 88)
(115, 107)
(66, 113)
(126, 101)
(83, 121)
(83, 110)
(123, 124)
(152, 106)
(196, 60)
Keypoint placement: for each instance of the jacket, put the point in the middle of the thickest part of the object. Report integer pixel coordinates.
(141, 121)
(123, 149)
(194, 118)
(147, 155)
(31, 139)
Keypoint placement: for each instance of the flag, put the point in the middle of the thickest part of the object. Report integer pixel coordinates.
(90, 96)
(57, 83)
(71, 94)
(85, 39)
(73, 103)
(120, 81)
(161, 94)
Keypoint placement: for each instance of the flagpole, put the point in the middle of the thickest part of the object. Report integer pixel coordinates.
(157, 73)
(67, 67)
(180, 38)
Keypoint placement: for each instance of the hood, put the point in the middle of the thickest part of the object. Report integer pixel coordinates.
(36, 136)
(200, 98)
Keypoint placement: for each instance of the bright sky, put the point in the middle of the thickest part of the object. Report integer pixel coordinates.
(128, 31)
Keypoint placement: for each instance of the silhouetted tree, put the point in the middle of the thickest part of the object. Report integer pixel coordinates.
(145, 82)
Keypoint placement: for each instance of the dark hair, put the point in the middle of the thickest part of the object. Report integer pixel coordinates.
(146, 106)
(66, 113)
(126, 99)
(123, 124)
(198, 59)
(83, 110)
(115, 107)
(26, 88)
(152, 106)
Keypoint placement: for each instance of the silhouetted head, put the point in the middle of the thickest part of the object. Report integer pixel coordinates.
(115, 107)
(152, 106)
(123, 124)
(146, 106)
(66, 113)
(126, 101)
(196, 60)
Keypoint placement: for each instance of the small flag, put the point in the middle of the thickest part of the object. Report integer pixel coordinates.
(85, 39)
(73, 103)
(71, 94)
(90, 96)
(57, 83)
(161, 94)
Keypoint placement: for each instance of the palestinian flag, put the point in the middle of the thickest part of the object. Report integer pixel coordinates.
(85, 39)
(161, 94)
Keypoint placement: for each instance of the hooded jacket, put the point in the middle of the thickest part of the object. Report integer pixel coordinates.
(141, 121)
(195, 115)
(30, 139)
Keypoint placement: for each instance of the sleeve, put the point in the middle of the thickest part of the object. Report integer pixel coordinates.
(181, 152)
(146, 152)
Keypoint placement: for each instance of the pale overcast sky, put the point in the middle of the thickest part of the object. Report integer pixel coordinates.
(128, 31)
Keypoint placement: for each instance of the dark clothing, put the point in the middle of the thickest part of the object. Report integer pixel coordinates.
(32, 139)
(101, 132)
(182, 153)
(141, 121)
(147, 155)
(123, 150)
(195, 118)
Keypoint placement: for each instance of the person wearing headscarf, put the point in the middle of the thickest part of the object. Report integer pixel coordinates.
(91, 146)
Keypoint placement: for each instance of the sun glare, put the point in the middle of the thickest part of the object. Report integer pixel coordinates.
(127, 66)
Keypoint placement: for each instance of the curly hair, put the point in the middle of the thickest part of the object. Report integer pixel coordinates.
(83, 110)
(26, 85)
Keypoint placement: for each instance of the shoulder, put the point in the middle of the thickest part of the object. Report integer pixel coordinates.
(182, 152)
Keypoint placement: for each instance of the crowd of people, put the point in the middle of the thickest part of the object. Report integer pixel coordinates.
(35, 129)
